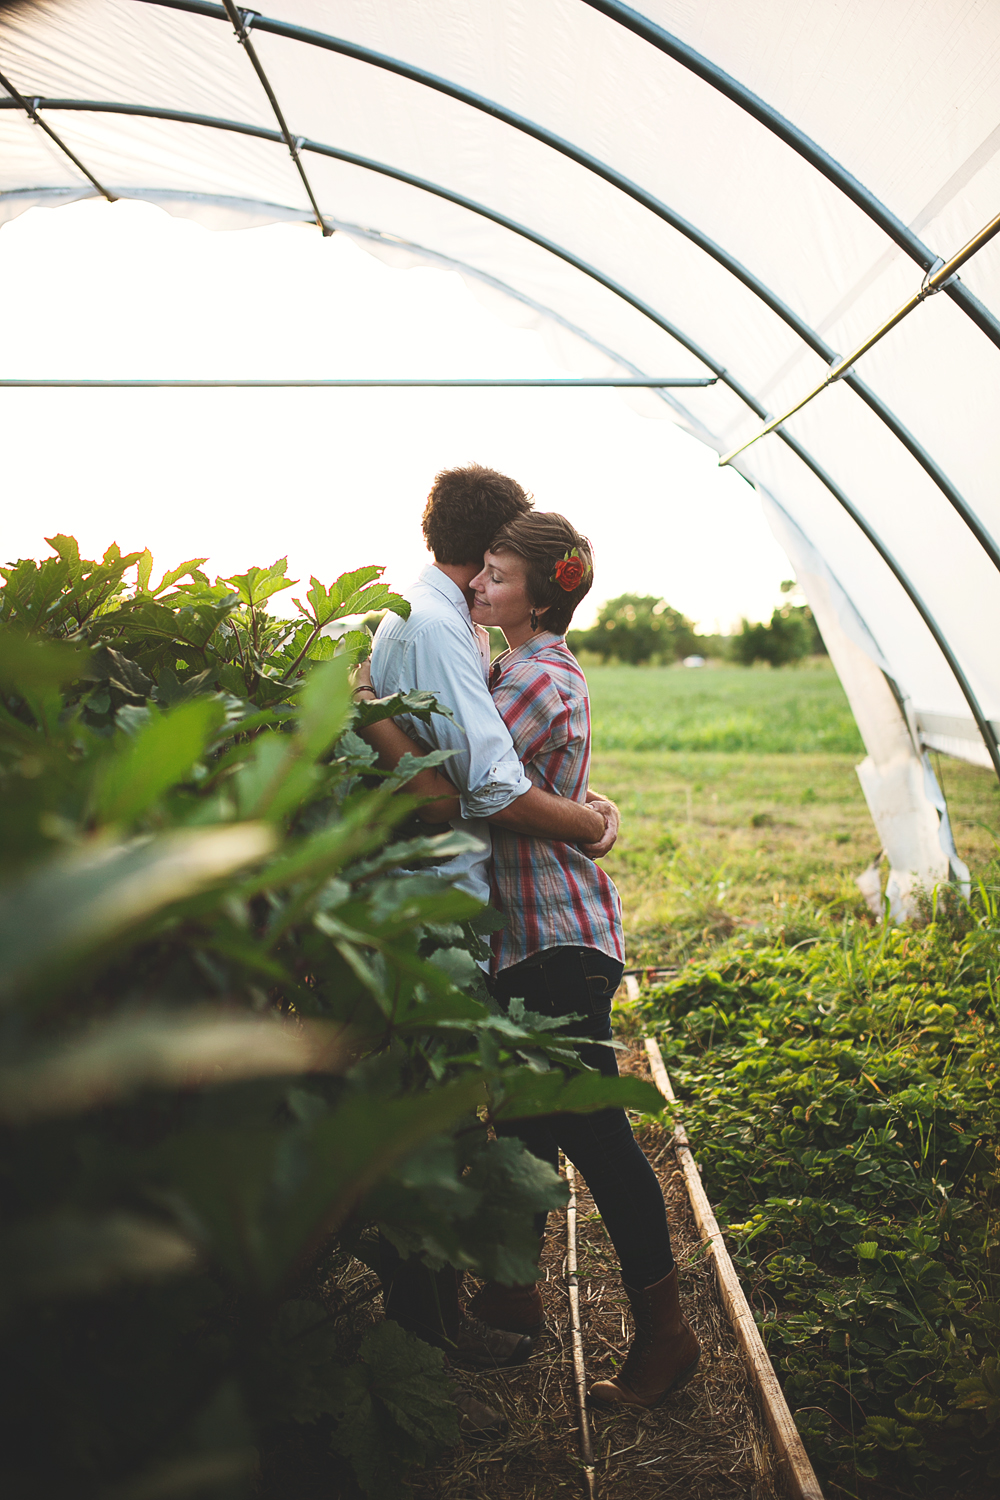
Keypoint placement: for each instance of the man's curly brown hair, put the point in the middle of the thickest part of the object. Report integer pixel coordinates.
(466, 508)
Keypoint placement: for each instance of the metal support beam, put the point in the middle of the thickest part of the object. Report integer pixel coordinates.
(778, 125)
(30, 107)
(732, 89)
(570, 382)
(931, 283)
(262, 133)
(242, 21)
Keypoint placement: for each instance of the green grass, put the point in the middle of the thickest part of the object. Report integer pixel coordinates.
(715, 842)
(728, 709)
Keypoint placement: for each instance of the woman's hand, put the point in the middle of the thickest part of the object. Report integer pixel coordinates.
(361, 677)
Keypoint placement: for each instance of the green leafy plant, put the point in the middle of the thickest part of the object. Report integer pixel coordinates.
(239, 1024)
(844, 1095)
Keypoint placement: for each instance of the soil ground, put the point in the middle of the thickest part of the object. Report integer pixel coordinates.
(707, 1442)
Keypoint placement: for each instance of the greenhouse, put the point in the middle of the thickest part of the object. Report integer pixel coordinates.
(287, 1090)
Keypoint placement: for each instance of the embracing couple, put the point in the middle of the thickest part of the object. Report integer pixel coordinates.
(519, 785)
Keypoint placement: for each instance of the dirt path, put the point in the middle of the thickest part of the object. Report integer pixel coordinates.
(706, 1443)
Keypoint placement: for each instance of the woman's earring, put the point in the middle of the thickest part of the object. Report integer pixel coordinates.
(534, 619)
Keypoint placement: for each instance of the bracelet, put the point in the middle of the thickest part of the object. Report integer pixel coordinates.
(364, 688)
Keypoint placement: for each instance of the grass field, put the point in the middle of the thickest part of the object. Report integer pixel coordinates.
(727, 709)
(763, 834)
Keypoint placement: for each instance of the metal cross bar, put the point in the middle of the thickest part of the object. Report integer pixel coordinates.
(933, 282)
(590, 382)
(753, 283)
(30, 107)
(766, 115)
(242, 22)
(617, 289)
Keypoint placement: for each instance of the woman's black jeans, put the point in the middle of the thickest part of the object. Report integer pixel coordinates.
(582, 981)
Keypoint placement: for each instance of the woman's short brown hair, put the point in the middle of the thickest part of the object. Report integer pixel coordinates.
(542, 538)
(465, 508)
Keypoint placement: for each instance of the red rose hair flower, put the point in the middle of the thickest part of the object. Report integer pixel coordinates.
(570, 571)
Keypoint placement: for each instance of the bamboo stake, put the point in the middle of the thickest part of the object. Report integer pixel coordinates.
(576, 1336)
(798, 1471)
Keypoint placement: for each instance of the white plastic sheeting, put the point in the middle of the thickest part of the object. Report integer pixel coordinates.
(745, 186)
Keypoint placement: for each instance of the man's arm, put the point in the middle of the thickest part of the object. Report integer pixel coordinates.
(536, 813)
(543, 816)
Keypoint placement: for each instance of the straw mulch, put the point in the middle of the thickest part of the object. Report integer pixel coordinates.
(708, 1442)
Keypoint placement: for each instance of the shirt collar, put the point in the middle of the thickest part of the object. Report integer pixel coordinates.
(435, 579)
(528, 648)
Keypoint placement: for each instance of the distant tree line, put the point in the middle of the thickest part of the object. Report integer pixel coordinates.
(637, 628)
(791, 634)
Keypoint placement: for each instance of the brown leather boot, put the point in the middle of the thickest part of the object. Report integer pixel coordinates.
(663, 1354)
(516, 1309)
(477, 1422)
(483, 1348)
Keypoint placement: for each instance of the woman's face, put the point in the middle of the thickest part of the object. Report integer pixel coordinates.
(501, 595)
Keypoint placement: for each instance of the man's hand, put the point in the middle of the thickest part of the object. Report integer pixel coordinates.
(612, 820)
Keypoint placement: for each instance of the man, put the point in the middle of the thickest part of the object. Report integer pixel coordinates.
(439, 649)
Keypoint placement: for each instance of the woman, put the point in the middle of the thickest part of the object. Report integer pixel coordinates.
(562, 950)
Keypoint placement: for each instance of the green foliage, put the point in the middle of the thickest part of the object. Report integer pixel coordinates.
(635, 628)
(791, 634)
(391, 1413)
(239, 1021)
(844, 1095)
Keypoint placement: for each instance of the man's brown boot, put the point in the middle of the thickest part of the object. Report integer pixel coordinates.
(515, 1309)
(477, 1422)
(663, 1354)
(480, 1347)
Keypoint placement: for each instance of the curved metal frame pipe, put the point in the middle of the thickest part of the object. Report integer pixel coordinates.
(691, 232)
(800, 143)
(242, 23)
(423, 185)
(29, 107)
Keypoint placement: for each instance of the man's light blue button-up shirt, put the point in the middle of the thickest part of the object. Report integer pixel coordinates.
(437, 650)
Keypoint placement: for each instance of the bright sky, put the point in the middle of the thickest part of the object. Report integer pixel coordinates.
(335, 479)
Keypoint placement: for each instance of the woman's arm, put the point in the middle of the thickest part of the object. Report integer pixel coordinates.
(391, 743)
